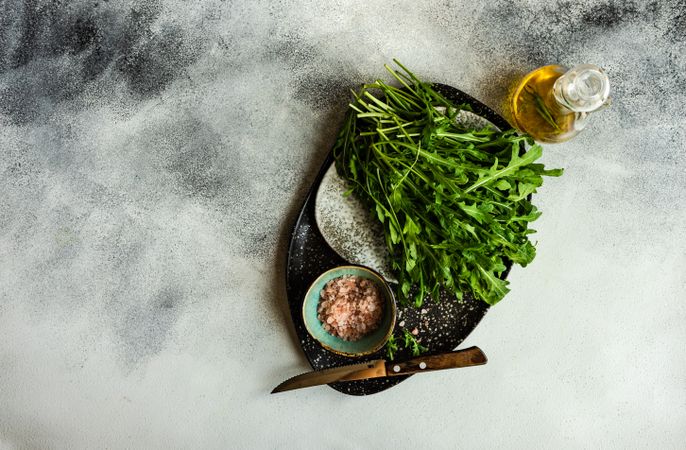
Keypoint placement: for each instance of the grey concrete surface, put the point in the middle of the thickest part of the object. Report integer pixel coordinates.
(154, 154)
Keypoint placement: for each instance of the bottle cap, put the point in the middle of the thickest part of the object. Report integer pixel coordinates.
(584, 88)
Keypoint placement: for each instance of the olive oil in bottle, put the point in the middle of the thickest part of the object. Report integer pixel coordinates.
(552, 103)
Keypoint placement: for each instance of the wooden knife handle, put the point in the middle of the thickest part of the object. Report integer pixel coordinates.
(472, 356)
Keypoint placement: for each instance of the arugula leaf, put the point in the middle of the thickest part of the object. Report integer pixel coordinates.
(391, 347)
(412, 342)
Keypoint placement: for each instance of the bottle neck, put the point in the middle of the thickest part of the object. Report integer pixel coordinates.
(584, 88)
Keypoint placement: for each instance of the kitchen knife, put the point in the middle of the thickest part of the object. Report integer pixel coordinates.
(379, 368)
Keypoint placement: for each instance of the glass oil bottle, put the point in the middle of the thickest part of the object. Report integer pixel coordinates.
(552, 104)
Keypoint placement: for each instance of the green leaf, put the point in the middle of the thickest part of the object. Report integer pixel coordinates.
(380, 213)
(516, 162)
(391, 347)
(412, 343)
(553, 172)
(393, 233)
(405, 288)
(412, 250)
(353, 167)
(496, 287)
(474, 211)
(526, 189)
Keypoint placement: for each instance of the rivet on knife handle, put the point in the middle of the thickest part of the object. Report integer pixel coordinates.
(472, 356)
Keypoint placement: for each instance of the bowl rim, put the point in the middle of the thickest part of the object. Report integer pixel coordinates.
(387, 288)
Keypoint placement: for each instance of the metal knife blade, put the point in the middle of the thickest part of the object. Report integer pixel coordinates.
(371, 369)
(472, 356)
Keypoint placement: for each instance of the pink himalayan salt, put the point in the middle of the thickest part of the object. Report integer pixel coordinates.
(350, 307)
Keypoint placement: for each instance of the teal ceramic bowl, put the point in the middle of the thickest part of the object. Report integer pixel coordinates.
(369, 343)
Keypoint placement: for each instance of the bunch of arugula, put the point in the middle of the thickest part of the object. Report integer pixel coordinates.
(454, 202)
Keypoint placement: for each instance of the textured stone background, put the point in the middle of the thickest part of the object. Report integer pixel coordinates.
(154, 154)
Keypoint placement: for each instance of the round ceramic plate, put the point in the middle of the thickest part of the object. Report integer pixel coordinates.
(347, 224)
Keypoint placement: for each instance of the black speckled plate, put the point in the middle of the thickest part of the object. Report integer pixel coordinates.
(442, 326)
